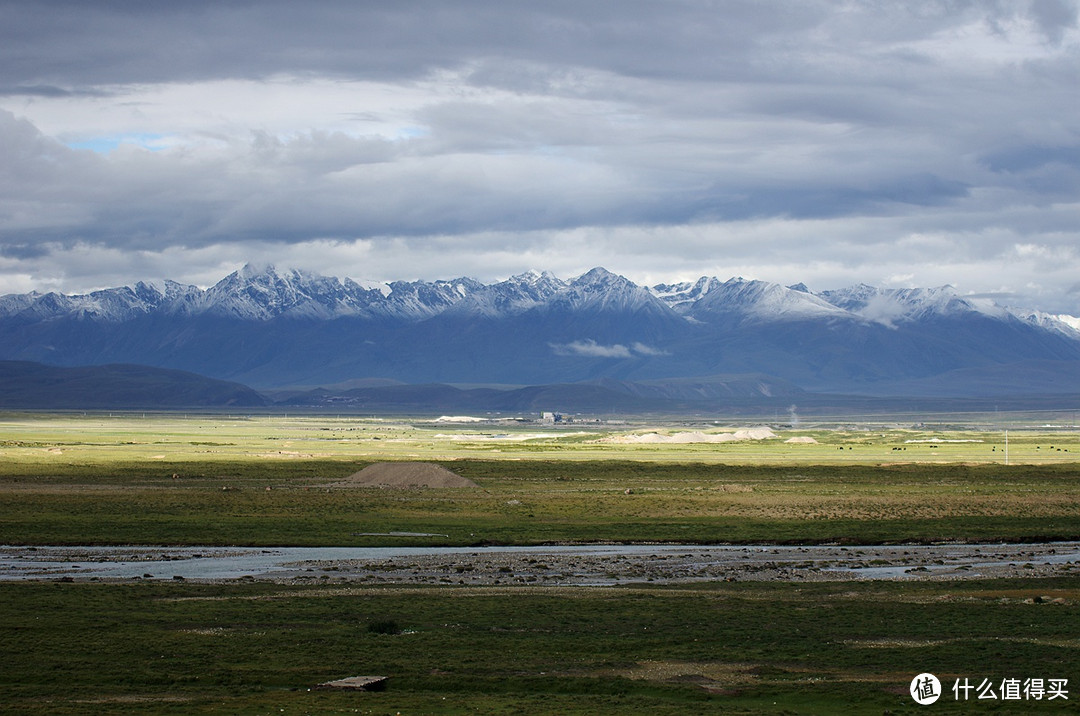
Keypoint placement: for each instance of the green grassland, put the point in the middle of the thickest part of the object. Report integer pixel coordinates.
(530, 502)
(166, 479)
(745, 648)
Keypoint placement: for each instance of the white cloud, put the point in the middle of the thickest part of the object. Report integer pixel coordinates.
(590, 349)
(646, 350)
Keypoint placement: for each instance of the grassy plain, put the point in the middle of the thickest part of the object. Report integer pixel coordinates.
(743, 648)
(167, 479)
(747, 648)
(129, 437)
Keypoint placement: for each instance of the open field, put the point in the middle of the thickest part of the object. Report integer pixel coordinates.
(105, 438)
(166, 646)
(166, 479)
(529, 502)
(743, 648)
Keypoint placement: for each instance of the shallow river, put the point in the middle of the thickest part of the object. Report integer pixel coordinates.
(550, 565)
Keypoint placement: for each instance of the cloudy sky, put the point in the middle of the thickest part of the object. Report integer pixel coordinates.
(829, 142)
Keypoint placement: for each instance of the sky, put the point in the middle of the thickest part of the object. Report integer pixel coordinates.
(897, 144)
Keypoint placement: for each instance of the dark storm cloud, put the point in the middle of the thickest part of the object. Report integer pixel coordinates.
(24, 251)
(76, 44)
(122, 42)
(1026, 158)
(1054, 17)
(48, 91)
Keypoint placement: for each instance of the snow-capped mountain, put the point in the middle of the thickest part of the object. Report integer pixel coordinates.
(114, 304)
(600, 290)
(682, 295)
(739, 300)
(259, 295)
(514, 295)
(1070, 321)
(889, 305)
(270, 328)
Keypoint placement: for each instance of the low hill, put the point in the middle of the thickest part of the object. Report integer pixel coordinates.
(730, 395)
(440, 398)
(34, 386)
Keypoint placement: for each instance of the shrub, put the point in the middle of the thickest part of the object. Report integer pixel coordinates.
(384, 626)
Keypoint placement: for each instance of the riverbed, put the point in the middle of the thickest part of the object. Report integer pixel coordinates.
(570, 565)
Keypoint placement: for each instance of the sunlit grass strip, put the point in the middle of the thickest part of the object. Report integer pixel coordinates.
(109, 438)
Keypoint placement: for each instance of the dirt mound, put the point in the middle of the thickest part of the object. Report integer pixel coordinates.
(406, 474)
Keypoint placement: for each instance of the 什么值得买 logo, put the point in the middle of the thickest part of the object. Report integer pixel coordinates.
(925, 689)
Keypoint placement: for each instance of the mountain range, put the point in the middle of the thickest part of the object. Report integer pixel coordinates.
(273, 330)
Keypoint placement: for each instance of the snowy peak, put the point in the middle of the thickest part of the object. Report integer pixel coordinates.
(512, 296)
(254, 293)
(118, 303)
(599, 290)
(681, 296)
(421, 299)
(740, 300)
(601, 277)
(111, 304)
(710, 300)
(1065, 325)
(891, 305)
(1071, 321)
(538, 285)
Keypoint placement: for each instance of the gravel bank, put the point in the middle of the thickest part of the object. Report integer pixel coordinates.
(579, 565)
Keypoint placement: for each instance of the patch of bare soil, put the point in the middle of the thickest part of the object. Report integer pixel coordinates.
(405, 474)
(714, 677)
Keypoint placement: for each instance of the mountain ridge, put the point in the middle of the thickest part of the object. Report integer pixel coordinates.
(256, 293)
(267, 328)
